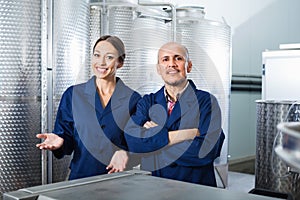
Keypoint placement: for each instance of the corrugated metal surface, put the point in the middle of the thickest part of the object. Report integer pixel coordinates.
(20, 79)
(148, 34)
(95, 25)
(270, 170)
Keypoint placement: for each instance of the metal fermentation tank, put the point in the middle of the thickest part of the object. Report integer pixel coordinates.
(44, 49)
(138, 27)
(289, 150)
(271, 172)
(20, 93)
(70, 63)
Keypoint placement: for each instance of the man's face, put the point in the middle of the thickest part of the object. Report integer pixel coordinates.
(172, 64)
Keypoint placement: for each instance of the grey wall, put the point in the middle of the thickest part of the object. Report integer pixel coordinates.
(256, 26)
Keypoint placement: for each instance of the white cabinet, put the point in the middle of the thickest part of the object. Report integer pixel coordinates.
(281, 75)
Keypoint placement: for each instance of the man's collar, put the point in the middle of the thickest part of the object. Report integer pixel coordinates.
(179, 94)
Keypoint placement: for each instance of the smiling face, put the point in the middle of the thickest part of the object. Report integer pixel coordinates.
(173, 64)
(105, 60)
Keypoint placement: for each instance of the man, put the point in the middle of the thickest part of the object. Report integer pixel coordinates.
(177, 130)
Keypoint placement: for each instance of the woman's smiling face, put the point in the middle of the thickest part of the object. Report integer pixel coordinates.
(105, 60)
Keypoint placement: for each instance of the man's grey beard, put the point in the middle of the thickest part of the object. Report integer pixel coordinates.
(176, 83)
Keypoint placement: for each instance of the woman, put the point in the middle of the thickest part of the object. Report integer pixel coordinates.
(91, 116)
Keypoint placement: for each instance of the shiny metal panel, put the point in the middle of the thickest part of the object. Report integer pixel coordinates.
(289, 150)
(70, 43)
(46, 53)
(20, 160)
(95, 25)
(140, 72)
(20, 48)
(127, 186)
(270, 171)
(71, 46)
(20, 93)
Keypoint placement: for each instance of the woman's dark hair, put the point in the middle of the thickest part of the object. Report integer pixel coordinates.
(116, 42)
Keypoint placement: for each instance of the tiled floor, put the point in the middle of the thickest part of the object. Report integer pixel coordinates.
(240, 181)
(240, 176)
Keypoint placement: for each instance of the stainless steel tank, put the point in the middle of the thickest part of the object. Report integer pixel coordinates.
(289, 149)
(270, 171)
(209, 45)
(27, 89)
(95, 24)
(70, 60)
(143, 29)
(150, 30)
(20, 94)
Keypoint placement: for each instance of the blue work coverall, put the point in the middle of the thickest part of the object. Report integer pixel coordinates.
(191, 160)
(93, 133)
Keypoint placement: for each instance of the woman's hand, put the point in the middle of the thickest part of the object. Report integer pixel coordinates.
(51, 141)
(118, 162)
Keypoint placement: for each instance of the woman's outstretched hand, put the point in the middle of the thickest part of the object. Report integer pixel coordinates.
(51, 141)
